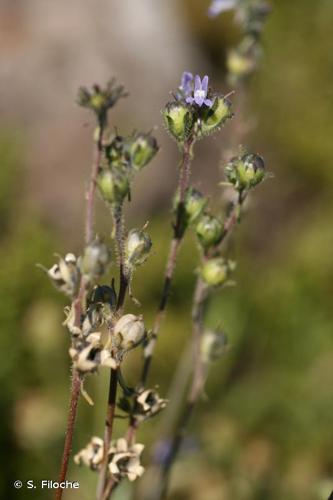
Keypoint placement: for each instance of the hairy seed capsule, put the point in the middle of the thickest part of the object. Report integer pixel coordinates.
(128, 332)
(214, 117)
(95, 259)
(142, 148)
(246, 171)
(215, 272)
(113, 185)
(195, 203)
(137, 247)
(178, 120)
(209, 230)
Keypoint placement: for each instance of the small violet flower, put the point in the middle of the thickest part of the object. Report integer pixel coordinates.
(186, 85)
(219, 6)
(200, 92)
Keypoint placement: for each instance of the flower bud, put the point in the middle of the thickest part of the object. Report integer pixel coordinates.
(209, 230)
(178, 120)
(95, 259)
(113, 185)
(213, 345)
(214, 117)
(215, 272)
(65, 275)
(142, 148)
(137, 247)
(245, 172)
(129, 331)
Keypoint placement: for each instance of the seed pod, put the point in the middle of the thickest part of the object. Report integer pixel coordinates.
(137, 247)
(113, 185)
(178, 119)
(246, 171)
(215, 272)
(214, 117)
(128, 332)
(142, 148)
(209, 230)
(213, 345)
(95, 259)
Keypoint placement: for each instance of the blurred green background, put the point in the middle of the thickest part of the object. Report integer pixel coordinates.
(264, 430)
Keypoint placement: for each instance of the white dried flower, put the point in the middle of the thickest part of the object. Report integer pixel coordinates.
(65, 275)
(129, 331)
(124, 460)
(148, 403)
(92, 455)
(90, 353)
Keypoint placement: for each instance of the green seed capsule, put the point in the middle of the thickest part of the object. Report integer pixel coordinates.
(214, 117)
(137, 247)
(209, 230)
(179, 120)
(246, 171)
(195, 204)
(215, 272)
(113, 185)
(142, 148)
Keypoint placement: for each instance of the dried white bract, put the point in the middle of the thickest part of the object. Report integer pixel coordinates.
(124, 460)
(92, 455)
(148, 403)
(129, 331)
(65, 275)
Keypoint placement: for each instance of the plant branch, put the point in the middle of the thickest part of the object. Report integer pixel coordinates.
(89, 227)
(200, 367)
(103, 484)
(179, 229)
(78, 310)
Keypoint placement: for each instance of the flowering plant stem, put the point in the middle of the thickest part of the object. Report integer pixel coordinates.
(183, 184)
(104, 488)
(78, 306)
(179, 229)
(200, 368)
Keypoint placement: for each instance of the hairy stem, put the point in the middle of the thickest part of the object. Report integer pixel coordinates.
(78, 308)
(74, 398)
(183, 183)
(89, 226)
(103, 484)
